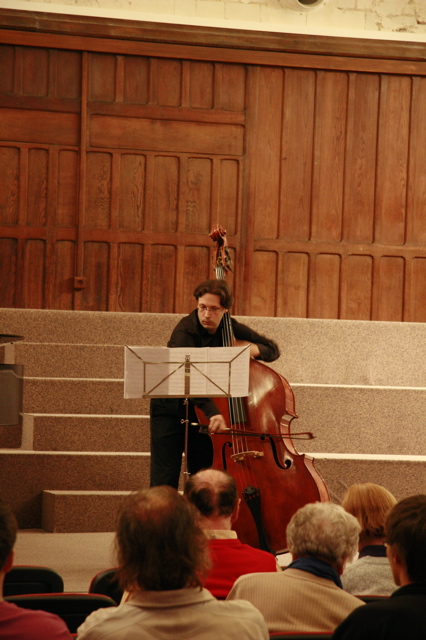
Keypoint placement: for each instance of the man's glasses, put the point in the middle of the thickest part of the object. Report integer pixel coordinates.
(213, 310)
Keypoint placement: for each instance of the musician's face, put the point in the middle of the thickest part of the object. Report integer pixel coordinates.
(210, 311)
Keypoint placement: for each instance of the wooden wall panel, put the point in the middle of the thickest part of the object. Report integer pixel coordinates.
(9, 193)
(198, 194)
(324, 287)
(7, 66)
(168, 82)
(390, 290)
(162, 278)
(264, 288)
(67, 83)
(98, 190)
(33, 274)
(416, 202)
(118, 156)
(417, 300)
(35, 77)
(130, 277)
(132, 192)
(38, 167)
(136, 79)
(329, 155)
(231, 87)
(165, 135)
(297, 154)
(392, 161)
(360, 161)
(201, 85)
(67, 189)
(165, 189)
(64, 275)
(96, 265)
(8, 267)
(229, 196)
(293, 278)
(357, 284)
(102, 77)
(264, 149)
(39, 127)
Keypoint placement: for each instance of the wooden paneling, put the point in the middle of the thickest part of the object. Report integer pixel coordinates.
(329, 155)
(360, 160)
(9, 193)
(132, 192)
(118, 155)
(297, 154)
(39, 127)
(416, 202)
(392, 161)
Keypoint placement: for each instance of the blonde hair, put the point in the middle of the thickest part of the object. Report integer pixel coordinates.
(369, 503)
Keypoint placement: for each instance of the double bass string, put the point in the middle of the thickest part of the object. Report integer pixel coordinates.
(237, 414)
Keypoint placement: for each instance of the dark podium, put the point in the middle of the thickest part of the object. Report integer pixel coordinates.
(11, 387)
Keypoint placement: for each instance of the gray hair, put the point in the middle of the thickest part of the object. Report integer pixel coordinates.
(323, 530)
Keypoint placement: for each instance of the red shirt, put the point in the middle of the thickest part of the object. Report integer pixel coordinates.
(232, 559)
(17, 623)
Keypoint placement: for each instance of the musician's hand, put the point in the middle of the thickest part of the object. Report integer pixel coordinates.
(254, 349)
(217, 424)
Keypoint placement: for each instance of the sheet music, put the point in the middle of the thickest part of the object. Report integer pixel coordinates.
(186, 372)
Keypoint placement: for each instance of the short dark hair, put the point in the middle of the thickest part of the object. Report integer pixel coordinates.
(212, 492)
(406, 529)
(8, 530)
(160, 546)
(219, 288)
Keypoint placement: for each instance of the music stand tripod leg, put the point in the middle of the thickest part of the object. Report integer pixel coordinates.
(186, 423)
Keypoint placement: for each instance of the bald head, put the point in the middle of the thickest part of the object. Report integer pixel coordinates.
(212, 492)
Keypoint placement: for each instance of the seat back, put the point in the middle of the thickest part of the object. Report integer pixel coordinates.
(369, 598)
(303, 635)
(24, 579)
(106, 583)
(73, 608)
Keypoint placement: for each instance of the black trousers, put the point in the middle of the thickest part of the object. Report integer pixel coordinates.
(168, 442)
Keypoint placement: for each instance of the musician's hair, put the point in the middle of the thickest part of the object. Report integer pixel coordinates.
(323, 530)
(219, 288)
(8, 530)
(213, 492)
(369, 503)
(159, 544)
(406, 529)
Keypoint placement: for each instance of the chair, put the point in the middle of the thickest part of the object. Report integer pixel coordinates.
(25, 579)
(106, 583)
(303, 635)
(73, 608)
(370, 598)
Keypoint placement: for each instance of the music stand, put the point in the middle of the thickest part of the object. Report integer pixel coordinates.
(183, 372)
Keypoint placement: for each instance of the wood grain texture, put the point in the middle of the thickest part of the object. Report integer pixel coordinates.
(118, 154)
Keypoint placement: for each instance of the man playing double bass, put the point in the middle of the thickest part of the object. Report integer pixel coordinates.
(201, 328)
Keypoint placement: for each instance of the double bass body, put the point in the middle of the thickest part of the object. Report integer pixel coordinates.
(273, 479)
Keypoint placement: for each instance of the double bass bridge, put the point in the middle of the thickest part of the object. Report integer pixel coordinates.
(242, 455)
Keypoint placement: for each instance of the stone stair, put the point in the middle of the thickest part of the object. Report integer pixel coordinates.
(359, 387)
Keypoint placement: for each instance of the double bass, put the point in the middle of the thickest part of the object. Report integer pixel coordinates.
(273, 479)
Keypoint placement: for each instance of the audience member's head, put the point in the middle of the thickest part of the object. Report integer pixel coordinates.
(405, 529)
(369, 503)
(325, 531)
(160, 545)
(214, 494)
(8, 530)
